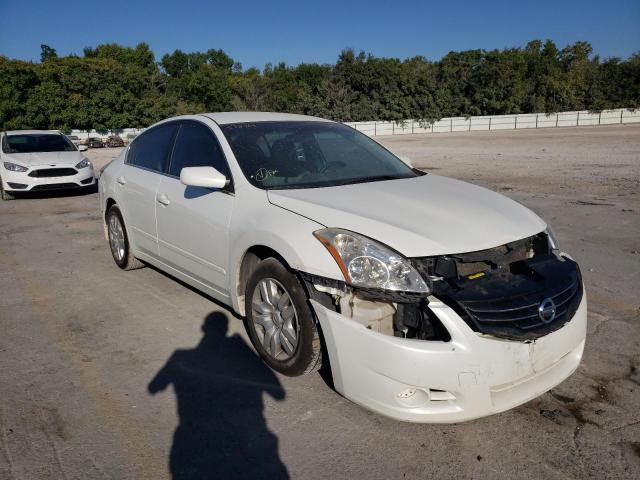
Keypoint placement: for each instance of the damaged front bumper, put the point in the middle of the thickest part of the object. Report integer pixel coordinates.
(470, 376)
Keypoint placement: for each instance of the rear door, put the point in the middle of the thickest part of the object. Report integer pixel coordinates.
(146, 162)
(193, 222)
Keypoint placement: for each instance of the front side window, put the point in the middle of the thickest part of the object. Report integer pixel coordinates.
(36, 143)
(196, 146)
(279, 155)
(151, 149)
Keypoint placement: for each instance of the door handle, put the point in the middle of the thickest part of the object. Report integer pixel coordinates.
(163, 199)
(121, 180)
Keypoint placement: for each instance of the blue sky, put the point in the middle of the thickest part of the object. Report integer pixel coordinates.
(256, 32)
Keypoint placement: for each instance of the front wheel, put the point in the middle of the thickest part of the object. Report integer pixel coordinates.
(4, 194)
(279, 320)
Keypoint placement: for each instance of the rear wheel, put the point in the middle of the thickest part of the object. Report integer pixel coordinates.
(280, 322)
(119, 241)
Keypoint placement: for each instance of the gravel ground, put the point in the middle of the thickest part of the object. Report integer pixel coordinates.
(98, 367)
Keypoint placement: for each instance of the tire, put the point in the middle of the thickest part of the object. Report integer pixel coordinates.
(119, 241)
(4, 194)
(306, 356)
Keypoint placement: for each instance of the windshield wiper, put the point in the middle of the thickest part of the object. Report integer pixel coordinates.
(372, 178)
(335, 183)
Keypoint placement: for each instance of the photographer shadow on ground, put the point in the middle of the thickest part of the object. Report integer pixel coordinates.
(222, 431)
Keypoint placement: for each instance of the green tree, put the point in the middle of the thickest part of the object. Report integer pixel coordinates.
(113, 86)
(47, 53)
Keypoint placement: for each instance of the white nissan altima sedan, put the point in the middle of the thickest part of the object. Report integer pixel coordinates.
(36, 160)
(431, 299)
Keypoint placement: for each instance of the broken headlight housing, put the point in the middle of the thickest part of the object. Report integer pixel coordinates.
(368, 264)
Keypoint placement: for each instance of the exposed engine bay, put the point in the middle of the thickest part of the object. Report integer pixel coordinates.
(519, 291)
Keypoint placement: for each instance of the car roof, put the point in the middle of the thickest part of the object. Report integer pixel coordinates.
(223, 118)
(30, 132)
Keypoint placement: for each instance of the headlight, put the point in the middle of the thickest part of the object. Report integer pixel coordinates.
(84, 163)
(553, 241)
(14, 167)
(369, 264)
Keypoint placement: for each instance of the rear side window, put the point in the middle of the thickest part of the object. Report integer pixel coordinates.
(151, 149)
(197, 146)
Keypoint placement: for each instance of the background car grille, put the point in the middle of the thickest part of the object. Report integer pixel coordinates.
(53, 172)
(54, 186)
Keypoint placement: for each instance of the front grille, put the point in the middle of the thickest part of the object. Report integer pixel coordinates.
(55, 186)
(521, 312)
(504, 301)
(53, 172)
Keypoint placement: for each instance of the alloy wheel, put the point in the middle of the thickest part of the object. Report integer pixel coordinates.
(116, 238)
(275, 319)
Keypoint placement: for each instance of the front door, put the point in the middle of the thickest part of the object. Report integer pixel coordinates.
(193, 222)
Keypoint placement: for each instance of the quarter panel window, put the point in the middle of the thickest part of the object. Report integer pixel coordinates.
(151, 149)
(197, 146)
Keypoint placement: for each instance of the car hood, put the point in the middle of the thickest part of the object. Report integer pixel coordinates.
(45, 158)
(421, 216)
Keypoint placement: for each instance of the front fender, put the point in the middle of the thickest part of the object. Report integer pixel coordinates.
(285, 232)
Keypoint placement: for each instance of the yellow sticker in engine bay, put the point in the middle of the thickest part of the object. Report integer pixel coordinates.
(476, 275)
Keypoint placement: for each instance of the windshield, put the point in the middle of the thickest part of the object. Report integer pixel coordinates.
(278, 155)
(37, 142)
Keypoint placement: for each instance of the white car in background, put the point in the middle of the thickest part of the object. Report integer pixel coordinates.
(37, 160)
(431, 299)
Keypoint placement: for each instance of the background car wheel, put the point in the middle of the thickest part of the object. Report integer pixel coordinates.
(4, 194)
(119, 241)
(280, 322)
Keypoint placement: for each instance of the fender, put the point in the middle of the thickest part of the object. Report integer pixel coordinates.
(293, 240)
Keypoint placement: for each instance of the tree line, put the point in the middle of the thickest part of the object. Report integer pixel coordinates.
(112, 86)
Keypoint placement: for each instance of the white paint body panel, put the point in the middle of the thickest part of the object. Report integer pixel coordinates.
(422, 216)
(136, 189)
(484, 374)
(193, 231)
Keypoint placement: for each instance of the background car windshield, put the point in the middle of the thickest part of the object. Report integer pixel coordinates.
(277, 155)
(32, 143)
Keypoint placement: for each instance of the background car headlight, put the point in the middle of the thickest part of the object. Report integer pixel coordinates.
(14, 167)
(369, 264)
(553, 241)
(84, 163)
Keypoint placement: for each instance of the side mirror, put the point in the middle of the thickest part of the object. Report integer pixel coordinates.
(82, 148)
(207, 177)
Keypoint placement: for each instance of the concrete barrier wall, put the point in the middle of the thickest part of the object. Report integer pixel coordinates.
(500, 122)
(461, 124)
